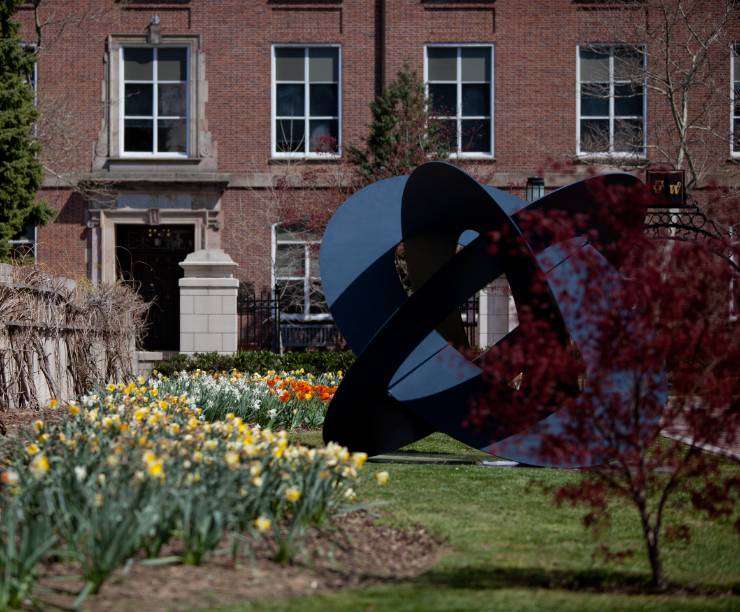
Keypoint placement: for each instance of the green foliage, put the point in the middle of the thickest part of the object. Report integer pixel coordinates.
(20, 169)
(260, 361)
(131, 467)
(402, 135)
(25, 538)
(278, 402)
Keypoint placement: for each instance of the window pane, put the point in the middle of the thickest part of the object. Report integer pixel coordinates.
(314, 271)
(172, 136)
(323, 135)
(27, 233)
(171, 64)
(290, 100)
(291, 296)
(736, 98)
(323, 101)
(138, 135)
(289, 64)
(448, 133)
(290, 260)
(595, 135)
(736, 136)
(295, 231)
(628, 100)
(137, 64)
(138, 99)
(628, 135)
(290, 135)
(317, 299)
(476, 64)
(476, 100)
(443, 99)
(323, 64)
(595, 99)
(442, 63)
(628, 64)
(476, 136)
(736, 73)
(594, 64)
(172, 99)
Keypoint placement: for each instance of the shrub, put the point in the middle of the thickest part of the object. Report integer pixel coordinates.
(260, 361)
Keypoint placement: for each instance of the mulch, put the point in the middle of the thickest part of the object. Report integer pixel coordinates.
(358, 551)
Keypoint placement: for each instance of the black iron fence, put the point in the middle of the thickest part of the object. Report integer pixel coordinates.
(469, 313)
(259, 322)
(261, 326)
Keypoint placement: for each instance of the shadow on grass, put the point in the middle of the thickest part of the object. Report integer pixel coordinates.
(593, 580)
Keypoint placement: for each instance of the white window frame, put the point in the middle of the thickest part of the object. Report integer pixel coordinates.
(459, 154)
(306, 278)
(611, 153)
(306, 153)
(155, 103)
(734, 82)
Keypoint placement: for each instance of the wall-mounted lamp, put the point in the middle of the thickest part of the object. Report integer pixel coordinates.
(535, 188)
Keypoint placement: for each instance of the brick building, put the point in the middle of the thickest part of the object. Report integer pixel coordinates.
(168, 123)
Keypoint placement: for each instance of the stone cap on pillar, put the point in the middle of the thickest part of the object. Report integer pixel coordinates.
(208, 263)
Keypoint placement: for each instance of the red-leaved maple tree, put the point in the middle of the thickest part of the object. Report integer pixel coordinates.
(651, 389)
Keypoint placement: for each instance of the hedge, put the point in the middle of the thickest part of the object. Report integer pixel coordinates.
(315, 362)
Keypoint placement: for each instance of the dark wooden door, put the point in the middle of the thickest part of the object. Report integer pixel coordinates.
(147, 256)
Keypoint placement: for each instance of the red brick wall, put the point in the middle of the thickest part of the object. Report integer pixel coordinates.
(534, 77)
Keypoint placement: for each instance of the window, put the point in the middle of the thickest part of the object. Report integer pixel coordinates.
(611, 100)
(306, 101)
(460, 90)
(23, 246)
(735, 76)
(296, 273)
(154, 90)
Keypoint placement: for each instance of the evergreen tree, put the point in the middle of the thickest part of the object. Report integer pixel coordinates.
(402, 135)
(20, 169)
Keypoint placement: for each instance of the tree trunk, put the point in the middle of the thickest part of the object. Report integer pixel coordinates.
(656, 564)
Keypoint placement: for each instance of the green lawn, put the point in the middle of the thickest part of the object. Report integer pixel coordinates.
(511, 549)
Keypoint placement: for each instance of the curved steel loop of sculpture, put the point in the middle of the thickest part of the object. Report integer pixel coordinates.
(408, 379)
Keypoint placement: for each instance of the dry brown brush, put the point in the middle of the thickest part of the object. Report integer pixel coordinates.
(59, 338)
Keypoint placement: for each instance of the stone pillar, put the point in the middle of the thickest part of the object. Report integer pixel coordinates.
(498, 314)
(208, 319)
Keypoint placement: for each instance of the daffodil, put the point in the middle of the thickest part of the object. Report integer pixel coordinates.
(262, 524)
(32, 449)
(293, 494)
(382, 478)
(232, 459)
(39, 466)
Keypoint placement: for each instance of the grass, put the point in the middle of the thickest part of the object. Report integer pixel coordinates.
(511, 549)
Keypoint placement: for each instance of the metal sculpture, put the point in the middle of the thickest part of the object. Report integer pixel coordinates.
(409, 380)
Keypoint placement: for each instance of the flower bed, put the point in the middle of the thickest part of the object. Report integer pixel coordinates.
(287, 400)
(134, 466)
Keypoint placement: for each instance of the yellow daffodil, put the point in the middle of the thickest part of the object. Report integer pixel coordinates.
(262, 524)
(110, 387)
(32, 449)
(382, 478)
(232, 459)
(39, 466)
(53, 403)
(293, 494)
(73, 409)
